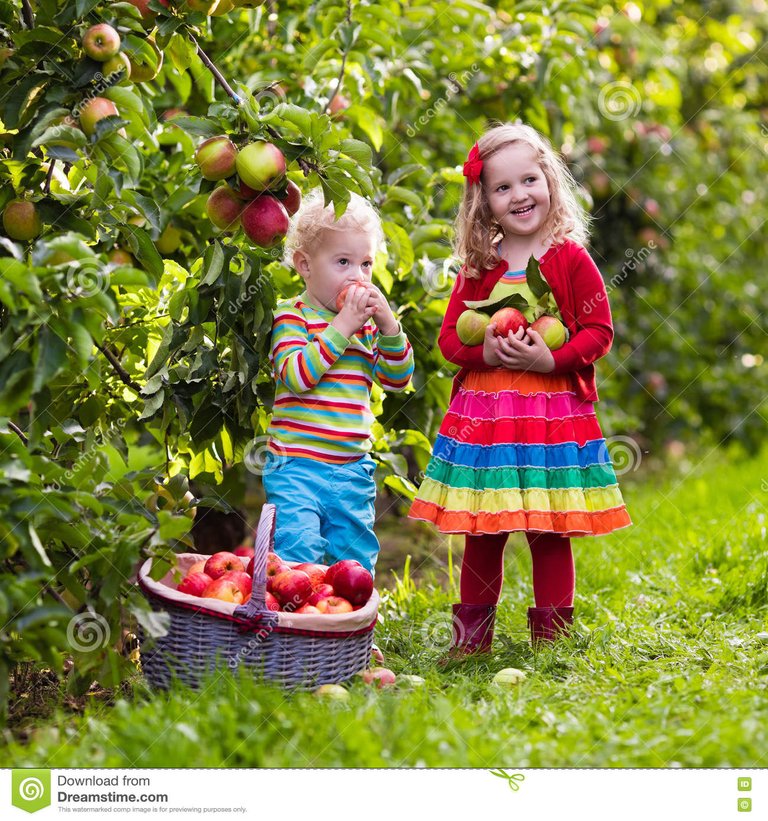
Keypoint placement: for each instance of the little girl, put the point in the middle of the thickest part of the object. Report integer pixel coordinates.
(520, 448)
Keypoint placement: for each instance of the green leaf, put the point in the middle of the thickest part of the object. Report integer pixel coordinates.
(50, 357)
(535, 280)
(358, 150)
(144, 249)
(213, 262)
(289, 113)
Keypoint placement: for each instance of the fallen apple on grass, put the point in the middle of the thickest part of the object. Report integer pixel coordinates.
(509, 677)
(332, 691)
(379, 677)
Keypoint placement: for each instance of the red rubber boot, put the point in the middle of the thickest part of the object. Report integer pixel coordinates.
(547, 623)
(472, 630)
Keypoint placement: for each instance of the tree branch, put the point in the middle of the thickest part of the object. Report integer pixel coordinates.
(49, 177)
(19, 432)
(119, 369)
(343, 63)
(27, 14)
(217, 75)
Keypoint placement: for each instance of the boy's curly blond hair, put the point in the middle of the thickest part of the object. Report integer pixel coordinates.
(477, 231)
(314, 217)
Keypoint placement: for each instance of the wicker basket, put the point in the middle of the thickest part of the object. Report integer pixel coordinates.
(289, 649)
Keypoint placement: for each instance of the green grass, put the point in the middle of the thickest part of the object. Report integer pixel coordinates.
(664, 668)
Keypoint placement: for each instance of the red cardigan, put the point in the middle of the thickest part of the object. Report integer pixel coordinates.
(580, 294)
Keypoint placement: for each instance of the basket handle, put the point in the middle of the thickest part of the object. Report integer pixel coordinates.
(265, 539)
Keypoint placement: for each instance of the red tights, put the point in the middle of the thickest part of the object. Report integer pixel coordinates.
(482, 569)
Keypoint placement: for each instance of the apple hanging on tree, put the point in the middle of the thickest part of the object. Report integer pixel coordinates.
(261, 165)
(21, 220)
(101, 42)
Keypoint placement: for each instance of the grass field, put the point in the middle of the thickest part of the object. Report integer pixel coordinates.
(665, 667)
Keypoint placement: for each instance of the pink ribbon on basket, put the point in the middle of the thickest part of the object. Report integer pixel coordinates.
(473, 166)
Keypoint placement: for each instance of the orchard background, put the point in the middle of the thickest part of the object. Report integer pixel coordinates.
(117, 371)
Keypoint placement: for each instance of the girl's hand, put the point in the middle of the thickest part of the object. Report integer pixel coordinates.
(491, 346)
(355, 312)
(525, 351)
(385, 320)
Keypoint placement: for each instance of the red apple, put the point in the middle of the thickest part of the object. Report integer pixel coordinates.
(261, 165)
(244, 550)
(353, 583)
(224, 208)
(101, 42)
(379, 676)
(216, 158)
(21, 220)
(339, 103)
(334, 568)
(308, 609)
(342, 298)
(334, 604)
(322, 592)
(316, 573)
(265, 221)
(291, 588)
(222, 562)
(249, 569)
(241, 579)
(94, 110)
(118, 256)
(197, 567)
(144, 10)
(508, 319)
(291, 199)
(246, 192)
(224, 589)
(551, 330)
(271, 602)
(194, 584)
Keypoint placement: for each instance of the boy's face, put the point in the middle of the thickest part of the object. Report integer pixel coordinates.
(514, 182)
(338, 259)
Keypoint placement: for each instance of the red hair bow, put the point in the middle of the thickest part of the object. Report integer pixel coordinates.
(474, 165)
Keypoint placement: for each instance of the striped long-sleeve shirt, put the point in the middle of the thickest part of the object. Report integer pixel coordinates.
(322, 403)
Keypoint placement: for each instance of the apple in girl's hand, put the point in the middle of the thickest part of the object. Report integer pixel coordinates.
(197, 567)
(292, 587)
(316, 573)
(351, 581)
(551, 330)
(508, 320)
(334, 604)
(471, 326)
(244, 550)
(379, 676)
(241, 579)
(194, 583)
(271, 602)
(222, 562)
(323, 591)
(225, 590)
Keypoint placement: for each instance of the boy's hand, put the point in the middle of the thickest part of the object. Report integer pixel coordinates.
(355, 312)
(385, 320)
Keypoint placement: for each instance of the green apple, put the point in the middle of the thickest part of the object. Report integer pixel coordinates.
(168, 242)
(101, 42)
(143, 67)
(332, 691)
(261, 165)
(551, 330)
(95, 110)
(509, 677)
(21, 220)
(471, 326)
(119, 63)
(224, 207)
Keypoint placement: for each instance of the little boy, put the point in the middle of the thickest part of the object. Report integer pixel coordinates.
(328, 345)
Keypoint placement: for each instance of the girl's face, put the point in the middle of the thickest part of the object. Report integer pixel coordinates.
(338, 259)
(517, 190)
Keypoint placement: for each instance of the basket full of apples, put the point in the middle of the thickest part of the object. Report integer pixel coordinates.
(296, 625)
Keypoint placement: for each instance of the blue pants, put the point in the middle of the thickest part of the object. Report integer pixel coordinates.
(325, 512)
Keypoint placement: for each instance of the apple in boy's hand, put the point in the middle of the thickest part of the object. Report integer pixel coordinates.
(508, 320)
(194, 584)
(222, 562)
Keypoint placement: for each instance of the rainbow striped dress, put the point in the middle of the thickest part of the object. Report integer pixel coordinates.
(517, 450)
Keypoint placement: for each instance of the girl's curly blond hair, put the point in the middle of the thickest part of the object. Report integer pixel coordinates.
(314, 218)
(476, 229)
